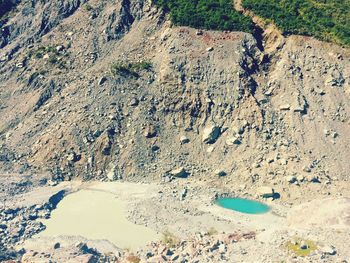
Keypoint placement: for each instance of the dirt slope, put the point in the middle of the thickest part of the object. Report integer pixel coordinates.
(64, 114)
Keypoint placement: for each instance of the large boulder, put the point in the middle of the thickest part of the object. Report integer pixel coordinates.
(179, 172)
(211, 134)
(112, 172)
(266, 192)
(234, 140)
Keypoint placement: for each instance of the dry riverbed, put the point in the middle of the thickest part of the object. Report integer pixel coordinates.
(125, 221)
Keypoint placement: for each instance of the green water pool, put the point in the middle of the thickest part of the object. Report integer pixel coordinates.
(243, 205)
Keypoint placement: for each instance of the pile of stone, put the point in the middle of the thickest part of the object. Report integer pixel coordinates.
(203, 247)
(19, 224)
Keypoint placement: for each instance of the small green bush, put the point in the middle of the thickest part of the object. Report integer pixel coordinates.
(143, 65)
(88, 7)
(295, 248)
(53, 59)
(212, 231)
(41, 51)
(130, 69)
(169, 239)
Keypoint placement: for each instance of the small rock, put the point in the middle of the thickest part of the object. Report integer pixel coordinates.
(266, 191)
(314, 179)
(222, 248)
(220, 173)
(179, 172)
(59, 48)
(8, 135)
(150, 132)
(112, 174)
(300, 178)
(183, 194)
(319, 91)
(329, 250)
(285, 107)
(334, 134)
(299, 108)
(283, 162)
(235, 140)
(306, 169)
(102, 81)
(184, 140)
(134, 102)
(268, 92)
(97, 133)
(291, 179)
(3, 58)
(303, 245)
(270, 160)
(174, 257)
(52, 182)
(210, 149)
(149, 254)
(155, 148)
(73, 157)
(57, 245)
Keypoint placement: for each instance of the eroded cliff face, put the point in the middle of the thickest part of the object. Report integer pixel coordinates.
(210, 101)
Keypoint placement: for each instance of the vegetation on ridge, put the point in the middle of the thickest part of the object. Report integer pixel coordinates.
(206, 14)
(324, 19)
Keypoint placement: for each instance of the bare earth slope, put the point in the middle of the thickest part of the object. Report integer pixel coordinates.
(72, 117)
(212, 103)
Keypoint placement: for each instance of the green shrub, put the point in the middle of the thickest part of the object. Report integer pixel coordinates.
(88, 7)
(169, 239)
(295, 247)
(212, 231)
(143, 65)
(53, 59)
(41, 51)
(206, 14)
(130, 69)
(324, 19)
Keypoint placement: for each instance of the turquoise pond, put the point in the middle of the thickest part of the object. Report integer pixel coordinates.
(243, 205)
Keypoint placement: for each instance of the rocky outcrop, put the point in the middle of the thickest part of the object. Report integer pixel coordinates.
(211, 134)
(36, 19)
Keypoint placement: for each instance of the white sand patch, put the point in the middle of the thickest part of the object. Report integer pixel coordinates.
(97, 215)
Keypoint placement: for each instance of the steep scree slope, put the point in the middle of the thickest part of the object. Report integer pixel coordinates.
(64, 113)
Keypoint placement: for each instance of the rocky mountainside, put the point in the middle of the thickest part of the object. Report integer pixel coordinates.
(111, 90)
